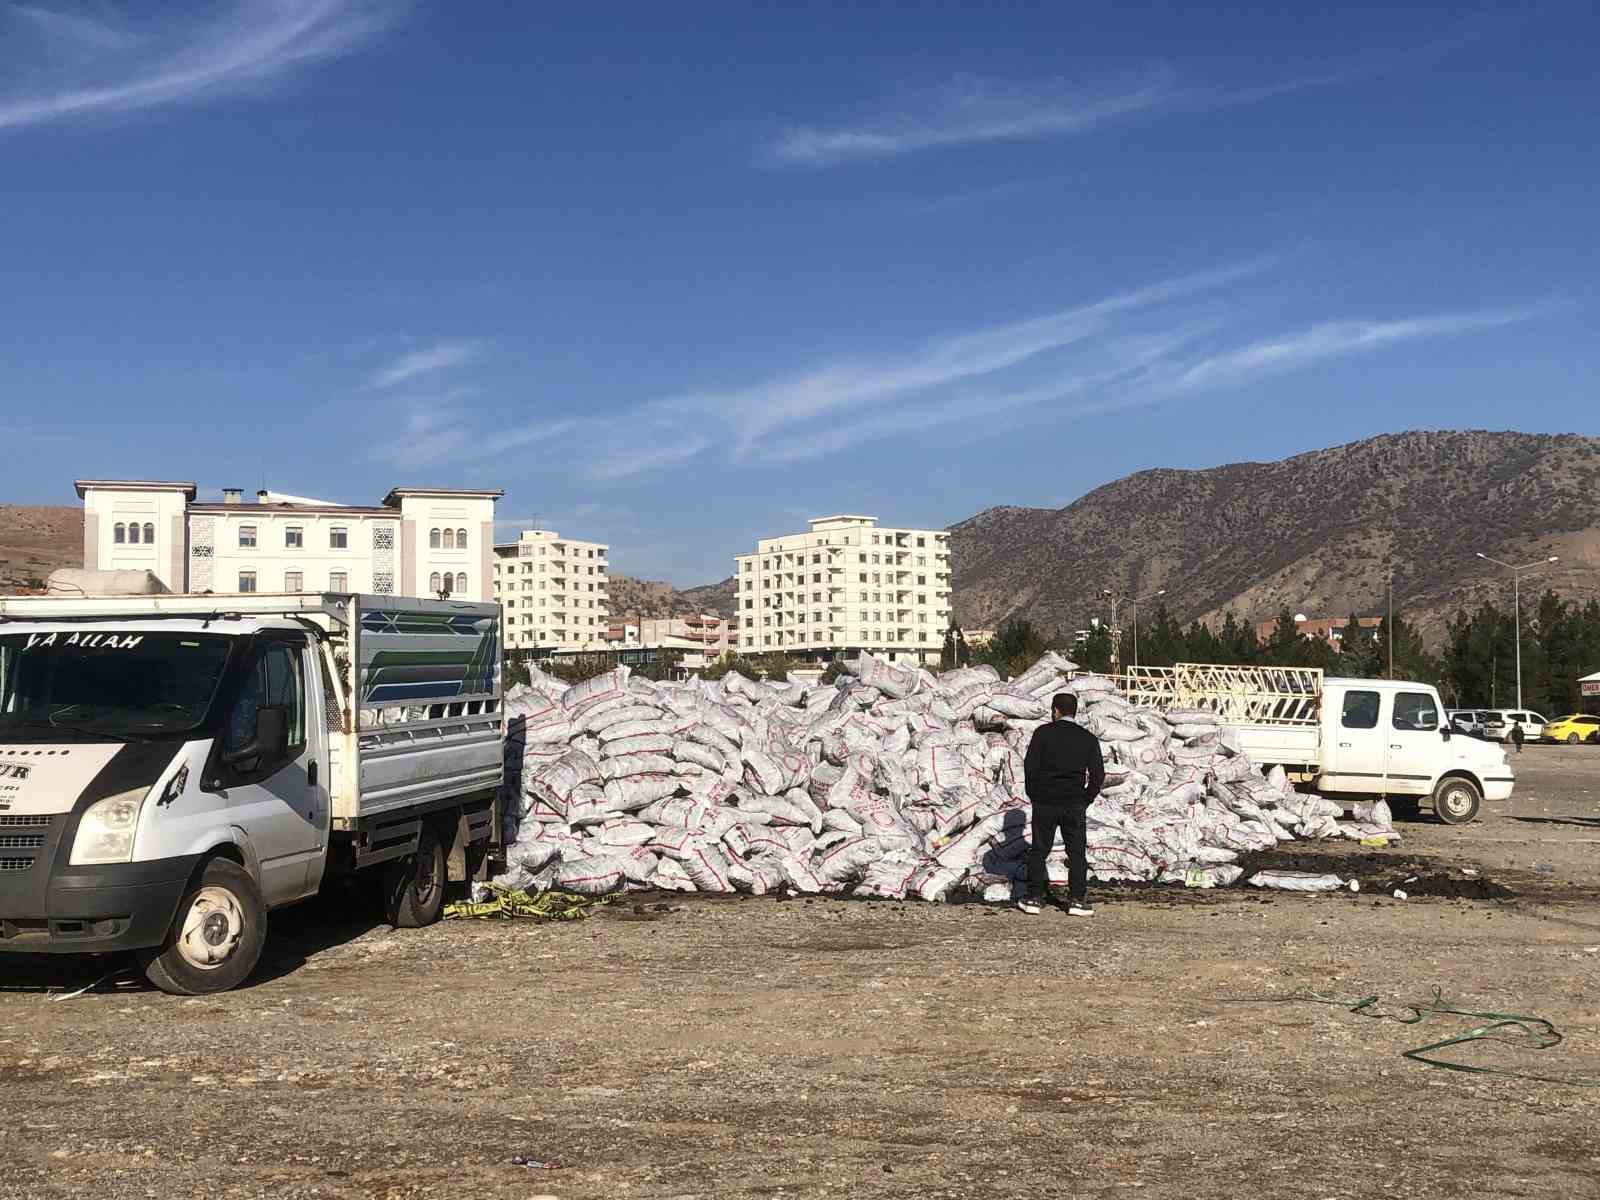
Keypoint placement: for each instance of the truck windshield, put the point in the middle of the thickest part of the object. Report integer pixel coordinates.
(109, 681)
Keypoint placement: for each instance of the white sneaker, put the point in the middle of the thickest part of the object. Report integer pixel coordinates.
(1080, 908)
(1031, 907)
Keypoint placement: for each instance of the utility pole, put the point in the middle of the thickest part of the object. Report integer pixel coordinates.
(1390, 621)
(1516, 603)
(1117, 598)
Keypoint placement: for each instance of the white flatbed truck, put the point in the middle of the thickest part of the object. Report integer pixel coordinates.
(173, 767)
(1346, 738)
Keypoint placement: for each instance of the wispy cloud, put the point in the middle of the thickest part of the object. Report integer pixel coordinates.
(750, 415)
(439, 357)
(971, 110)
(1330, 339)
(111, 68)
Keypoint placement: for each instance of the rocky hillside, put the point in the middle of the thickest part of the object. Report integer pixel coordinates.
(652, 598)
(35, 540)
(1316, 532)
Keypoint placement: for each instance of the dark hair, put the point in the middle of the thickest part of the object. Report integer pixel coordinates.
(1065, 704)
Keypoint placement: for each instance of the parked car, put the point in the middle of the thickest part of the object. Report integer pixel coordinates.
(1498, 723)
(1466, 720)
(1572, 729)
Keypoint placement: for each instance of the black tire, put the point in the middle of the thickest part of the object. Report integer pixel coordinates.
(1456, 800)
(216, 938)
(413, 887)
(1572, 739)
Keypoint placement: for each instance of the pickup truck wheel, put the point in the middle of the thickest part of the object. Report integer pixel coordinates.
(1456, 800)
(216, 939)
(413, 887)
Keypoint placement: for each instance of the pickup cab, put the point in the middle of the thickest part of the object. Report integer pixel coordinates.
(174, 768)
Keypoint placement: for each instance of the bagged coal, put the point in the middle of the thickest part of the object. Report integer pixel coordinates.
(891, 782)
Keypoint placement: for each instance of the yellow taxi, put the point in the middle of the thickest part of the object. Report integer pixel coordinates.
(1579, 727)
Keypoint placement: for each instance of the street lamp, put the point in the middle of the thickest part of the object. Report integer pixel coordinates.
(1116, 631)
(1516, 602)
(1135, 603)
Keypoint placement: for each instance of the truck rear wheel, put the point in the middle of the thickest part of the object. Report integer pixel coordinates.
(216, 939)
(1456, 800)
(413, 887)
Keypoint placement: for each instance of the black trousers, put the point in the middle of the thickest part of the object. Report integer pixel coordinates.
(1071, 818)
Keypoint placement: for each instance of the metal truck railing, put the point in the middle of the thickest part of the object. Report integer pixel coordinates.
(1238, 695)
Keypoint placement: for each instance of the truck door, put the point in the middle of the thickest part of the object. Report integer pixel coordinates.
(1416, 748)
(1357, 744)
(278, 799)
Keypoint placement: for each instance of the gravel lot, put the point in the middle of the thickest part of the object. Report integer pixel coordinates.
(833, 1048)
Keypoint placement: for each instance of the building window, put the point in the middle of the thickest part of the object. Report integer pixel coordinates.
(247, 581)
(449, 539)
(294, 537)
(119, 533)
(338, 538)
(149, 534)
(433, 583)
(292, 581)
(461, 585)
(461, 539)
(433, 539)
(247, 537)
(922, 541)
(133, 533)
(338, 581)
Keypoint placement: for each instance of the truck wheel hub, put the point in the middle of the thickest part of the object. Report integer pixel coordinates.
(211, 928)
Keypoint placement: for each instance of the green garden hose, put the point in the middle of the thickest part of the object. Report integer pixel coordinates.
(1534, 1033)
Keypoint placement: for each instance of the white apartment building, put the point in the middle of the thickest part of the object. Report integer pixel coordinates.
(407, 546)
(554, 593)
(844, 586)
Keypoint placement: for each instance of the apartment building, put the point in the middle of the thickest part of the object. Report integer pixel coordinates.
(844, 586)
(554, 593)
(411, 544)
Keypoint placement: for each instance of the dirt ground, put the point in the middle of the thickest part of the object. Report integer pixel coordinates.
(833, 1048)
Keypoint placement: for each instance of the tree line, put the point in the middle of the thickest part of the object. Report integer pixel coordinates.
(1474, 666)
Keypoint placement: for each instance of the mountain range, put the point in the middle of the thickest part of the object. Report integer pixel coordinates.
(1316, 533)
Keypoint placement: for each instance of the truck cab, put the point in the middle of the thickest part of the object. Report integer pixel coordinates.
(171, 769)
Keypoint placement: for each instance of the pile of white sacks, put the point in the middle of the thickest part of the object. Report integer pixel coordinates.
(892, 783)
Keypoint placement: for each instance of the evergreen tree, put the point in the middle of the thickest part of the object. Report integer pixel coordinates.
(1358, 656)
(1200, 644)
(1236, 642)
(947, 656)
(1095, 653)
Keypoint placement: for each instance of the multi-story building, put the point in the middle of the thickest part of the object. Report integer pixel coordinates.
(408, 546)
(844, 586)
(554, 592)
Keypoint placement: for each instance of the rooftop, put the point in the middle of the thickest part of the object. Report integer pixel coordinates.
(135, 485)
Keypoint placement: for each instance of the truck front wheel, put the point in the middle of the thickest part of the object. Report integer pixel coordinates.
(1456, 800)
(413, 887)
(216, 939)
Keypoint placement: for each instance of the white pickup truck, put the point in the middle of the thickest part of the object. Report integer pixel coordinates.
(174, 767)
(1345, 737)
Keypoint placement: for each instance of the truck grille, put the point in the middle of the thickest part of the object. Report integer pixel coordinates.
(22, 833)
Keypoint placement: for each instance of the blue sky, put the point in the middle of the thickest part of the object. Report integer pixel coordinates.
(678, 276)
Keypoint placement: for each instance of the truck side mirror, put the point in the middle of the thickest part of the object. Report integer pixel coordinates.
(269, 742)
(1444, 732)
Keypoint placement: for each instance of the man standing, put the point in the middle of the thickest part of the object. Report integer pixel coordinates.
(1064, 772)
(1516, 733)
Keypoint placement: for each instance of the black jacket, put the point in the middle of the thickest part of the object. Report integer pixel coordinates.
(1063, 764)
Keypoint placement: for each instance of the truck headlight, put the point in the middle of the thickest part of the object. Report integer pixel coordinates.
(105, 833)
